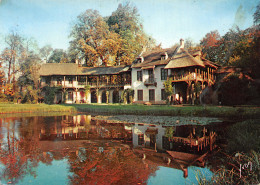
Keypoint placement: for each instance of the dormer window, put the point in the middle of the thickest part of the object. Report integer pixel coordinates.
(140, 59)
(164, 56)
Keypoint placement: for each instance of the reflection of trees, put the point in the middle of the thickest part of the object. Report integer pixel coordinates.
(16, 154)
(21, 151)
(98, 165)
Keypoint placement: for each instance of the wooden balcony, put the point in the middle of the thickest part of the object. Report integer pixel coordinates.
(107, 84)
(76, 84)
(192, 77)
(150, 82)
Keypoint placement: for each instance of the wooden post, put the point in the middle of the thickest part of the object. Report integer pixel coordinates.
(185, 172)
(210, 141)
(76, 95)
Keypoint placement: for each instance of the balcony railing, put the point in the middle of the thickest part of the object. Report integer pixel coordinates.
(150, 81)
(192, 76)
(82, 83)
(106, 84)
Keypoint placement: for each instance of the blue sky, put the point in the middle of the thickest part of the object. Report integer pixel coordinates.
(49, 21)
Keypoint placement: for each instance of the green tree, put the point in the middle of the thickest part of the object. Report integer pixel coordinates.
(29, 78)
(236, 89)
(93, 40)
(45, 52)
(58, 56)
(168, 89)
(210, 46)
(87, 91)
(125, 21)
(49, 93)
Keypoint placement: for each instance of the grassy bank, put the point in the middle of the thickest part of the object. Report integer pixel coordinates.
(164, 110)
(34, 108)
(155, 110)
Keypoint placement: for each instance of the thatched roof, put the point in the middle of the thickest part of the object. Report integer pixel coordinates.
(73, 69)
(184, 59)
(177, 58)
(58, 69)
(102, 70)
(153, 58)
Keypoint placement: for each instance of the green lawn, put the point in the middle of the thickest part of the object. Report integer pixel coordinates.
(212, 111)
(162, 110)
(33, 108)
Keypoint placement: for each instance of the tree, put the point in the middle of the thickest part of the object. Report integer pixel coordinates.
(125, 22)
(29, 80)
(257, 14)
(2, 79)
(210, 45)
(14, 47)
(114, 40)
(168, 89)
(58, 56)
(87, 91)
(92, 39)
(45, 52)
(236, 89)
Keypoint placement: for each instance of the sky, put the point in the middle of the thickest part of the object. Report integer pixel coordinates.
(167, 21)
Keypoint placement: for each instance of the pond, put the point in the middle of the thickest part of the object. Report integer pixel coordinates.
(85, 149)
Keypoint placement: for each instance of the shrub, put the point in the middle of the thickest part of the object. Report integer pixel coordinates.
(236, 89)
(50, 94)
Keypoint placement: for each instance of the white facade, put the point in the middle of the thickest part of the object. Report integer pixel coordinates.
(141, 129)
(140, 85)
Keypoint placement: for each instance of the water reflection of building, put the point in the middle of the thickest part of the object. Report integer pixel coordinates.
(183, 146)
(149, 136)
(83, 127)
(188, 138)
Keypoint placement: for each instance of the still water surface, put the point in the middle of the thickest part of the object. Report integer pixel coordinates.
(83, 150)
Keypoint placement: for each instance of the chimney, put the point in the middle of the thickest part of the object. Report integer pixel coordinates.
(181, 43)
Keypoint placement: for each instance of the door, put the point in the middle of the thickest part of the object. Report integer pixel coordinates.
(152, 140)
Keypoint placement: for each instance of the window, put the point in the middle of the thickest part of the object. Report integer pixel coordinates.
(70, 96)
(59, 81)
(166, 143)
(163, 95)
(140, 139)
(48, 80)
(151, 95)
(164, 73)
(70, 79)
(139, 76)
(82, 80)
(150, 75)
(140, 95)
